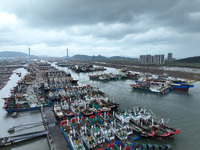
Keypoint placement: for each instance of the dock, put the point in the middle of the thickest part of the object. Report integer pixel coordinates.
(56, 139)
(5, 141)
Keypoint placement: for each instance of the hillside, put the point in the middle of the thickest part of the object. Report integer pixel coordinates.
(100, 58)
(193, 62)
(9, 54)
(189, 60)
(86, 57)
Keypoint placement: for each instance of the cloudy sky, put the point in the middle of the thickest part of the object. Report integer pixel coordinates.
(106, 27)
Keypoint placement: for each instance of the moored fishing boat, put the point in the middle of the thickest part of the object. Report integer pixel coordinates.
(73, 139)
(181, 85)
(151, 86)
(159, 132)
(65, 108)
(138, 127)
(58, 111)
(171, 130)
(88, 138)
(119, 132)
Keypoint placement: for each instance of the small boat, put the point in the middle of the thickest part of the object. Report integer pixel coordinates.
(104, 77)
(51, 96)
(58, 111)
(65, 108)
(181, 85)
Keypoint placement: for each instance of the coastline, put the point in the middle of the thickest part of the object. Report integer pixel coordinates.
(6, 72)
(155, 70)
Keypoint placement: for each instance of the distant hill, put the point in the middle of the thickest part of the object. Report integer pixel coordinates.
(9, 54)
(99, 57)
(122, 58)
(189, 60)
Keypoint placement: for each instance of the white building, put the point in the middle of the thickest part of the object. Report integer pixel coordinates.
(156, 59)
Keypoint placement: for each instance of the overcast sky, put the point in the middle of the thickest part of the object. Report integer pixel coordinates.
(106, 27)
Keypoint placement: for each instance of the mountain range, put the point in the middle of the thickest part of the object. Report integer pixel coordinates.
(99, 57)
(10, 54)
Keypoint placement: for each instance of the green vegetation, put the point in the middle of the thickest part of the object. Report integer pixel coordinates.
(186, 62)
(130, 61)
(181, 64)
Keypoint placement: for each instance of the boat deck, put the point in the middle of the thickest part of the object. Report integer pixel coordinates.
(56, 138)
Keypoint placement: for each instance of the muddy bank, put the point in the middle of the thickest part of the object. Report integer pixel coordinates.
(5, 73)
(175, 74)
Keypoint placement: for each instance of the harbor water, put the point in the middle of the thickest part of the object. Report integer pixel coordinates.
(179, 109)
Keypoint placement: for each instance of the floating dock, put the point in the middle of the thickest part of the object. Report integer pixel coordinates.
(5, 141)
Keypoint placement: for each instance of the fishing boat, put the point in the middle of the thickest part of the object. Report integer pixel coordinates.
(125, 116)
(58, 111)
(94, 77)
(73, 139)
(151, 86)
(181, 85)
(138, 128)
(96, 121)
(132, 75)
(65, 108)
(138, 113)
(104, 102)
(97, 105)
(51, 96)
(19, 104)
(159, 132)
(171, 130)
(75, 109)
(104, 77)
(88, 138)
(119, 132)
(86, 111)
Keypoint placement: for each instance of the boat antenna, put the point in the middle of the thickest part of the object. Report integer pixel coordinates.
(152, 113)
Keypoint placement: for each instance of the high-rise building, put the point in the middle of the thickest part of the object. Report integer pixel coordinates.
(162, 59)
(156, 59)
(142, 59)
(148, 59)
(169, 57)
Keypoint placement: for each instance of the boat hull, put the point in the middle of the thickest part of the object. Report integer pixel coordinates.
(25, 109)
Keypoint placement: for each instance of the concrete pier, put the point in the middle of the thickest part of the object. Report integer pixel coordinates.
(55, 137)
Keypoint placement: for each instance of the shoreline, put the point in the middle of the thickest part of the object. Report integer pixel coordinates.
(157, 71)
(5, 73)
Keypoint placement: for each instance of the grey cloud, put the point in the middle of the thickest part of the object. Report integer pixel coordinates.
(126, 24)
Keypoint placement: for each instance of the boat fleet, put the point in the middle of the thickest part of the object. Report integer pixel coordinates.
(117, 129)
(88, 118)
(161, 84)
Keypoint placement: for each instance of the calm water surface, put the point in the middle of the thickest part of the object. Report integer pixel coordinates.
(182, 108)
